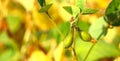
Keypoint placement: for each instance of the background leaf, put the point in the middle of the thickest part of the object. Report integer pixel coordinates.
(81, 4)
(45, 8)
(89, 11)
(13, 22)
(113, 7)
(68, 9)
(75, 10)
(100, 50)
(64, 27)
(83, 25)
(11, 47)
(41, 2)
(112, 14)
(96, 27)
(116, 40)
(6, 55)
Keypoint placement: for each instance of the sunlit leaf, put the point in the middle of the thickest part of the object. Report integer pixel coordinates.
(37, 56)
(58, 52)
(58, 13)
(68, 9)
(75, 11)
(81, 4)
(89, 11)
(14, 23)
(96, 27)
(100, 50)
(28, 6)
(45, 8)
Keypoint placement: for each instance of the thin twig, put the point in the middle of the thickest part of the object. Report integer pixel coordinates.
(74, 55)
(73, 46)
(62, 36)
(89, 52)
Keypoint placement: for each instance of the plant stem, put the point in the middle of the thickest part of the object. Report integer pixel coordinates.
(54, 24)
(92, 47)
(73, 46)
(89, 52)
(74, 55)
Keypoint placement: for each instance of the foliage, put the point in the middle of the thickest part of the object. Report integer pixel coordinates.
(112, 13)
(59, 30)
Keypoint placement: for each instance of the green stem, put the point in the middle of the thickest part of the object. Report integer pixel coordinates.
(62, 36)
(73, 29)
(74, 55)
(92, 47)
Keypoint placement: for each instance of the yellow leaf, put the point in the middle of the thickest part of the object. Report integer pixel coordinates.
(41, 20)
(27, 4)
(58, 13)
(37, 56)
(16, 9)
(110, 35)
(104, 3)
(58, 53)
(97, 3)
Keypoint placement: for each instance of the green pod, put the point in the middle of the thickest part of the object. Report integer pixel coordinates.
(84, 36)
(68, 40)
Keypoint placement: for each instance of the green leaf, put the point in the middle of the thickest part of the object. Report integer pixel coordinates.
(89, 11)
(4, 38)
(83, 25)
(100, 50)
(75, 11)
(7, 40)
(68, 9)
(11, 47)
(114, 6)
(14, 23)
(113, 18)
(10, 55)
(112, 14)
(96, 27)
(6, 55)
(64, 27)
(81, 4)
(42, 2)
(45, 8)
